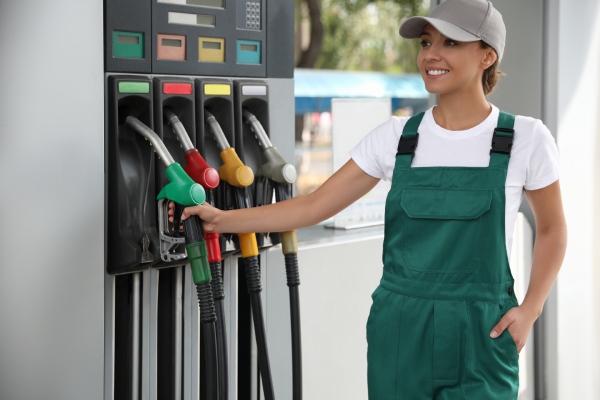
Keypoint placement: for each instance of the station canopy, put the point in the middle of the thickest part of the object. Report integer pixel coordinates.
(314, 88)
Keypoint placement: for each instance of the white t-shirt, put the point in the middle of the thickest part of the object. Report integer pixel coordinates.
(533, 162)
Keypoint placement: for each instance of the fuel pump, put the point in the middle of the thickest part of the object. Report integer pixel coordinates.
(187, 57)
(199, 170)
(184, 192)
(240, 177)
(278, 176)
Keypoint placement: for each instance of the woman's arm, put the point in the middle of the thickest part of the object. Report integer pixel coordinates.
(548, 254)
(343, 188)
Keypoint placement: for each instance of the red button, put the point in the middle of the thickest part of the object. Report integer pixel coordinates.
(177, 88)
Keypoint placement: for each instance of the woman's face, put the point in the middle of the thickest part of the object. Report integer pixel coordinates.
(448, 66)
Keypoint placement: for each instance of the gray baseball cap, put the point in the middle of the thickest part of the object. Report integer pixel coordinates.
(464, 21)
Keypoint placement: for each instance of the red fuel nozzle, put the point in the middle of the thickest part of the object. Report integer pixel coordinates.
(200, 171)
(213, 246)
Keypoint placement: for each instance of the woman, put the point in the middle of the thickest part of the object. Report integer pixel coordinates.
(445, 323)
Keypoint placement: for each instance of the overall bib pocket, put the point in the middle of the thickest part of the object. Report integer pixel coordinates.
(453, 219)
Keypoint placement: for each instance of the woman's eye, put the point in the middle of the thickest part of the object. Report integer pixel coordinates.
(424, 43)
(451, 43)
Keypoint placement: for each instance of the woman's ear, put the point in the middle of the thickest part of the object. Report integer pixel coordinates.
(490, 58)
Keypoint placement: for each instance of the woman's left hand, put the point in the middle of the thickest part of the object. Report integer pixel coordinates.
(519, 321)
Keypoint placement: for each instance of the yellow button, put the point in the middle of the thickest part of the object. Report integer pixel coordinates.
(217, 89)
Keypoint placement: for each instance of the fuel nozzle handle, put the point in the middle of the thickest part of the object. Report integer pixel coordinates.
(275, 167)
(181, 188)
(196, 247)
(233, 170)
(196, 167)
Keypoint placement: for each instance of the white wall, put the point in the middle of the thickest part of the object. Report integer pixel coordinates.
(52, 202)
(578, 109)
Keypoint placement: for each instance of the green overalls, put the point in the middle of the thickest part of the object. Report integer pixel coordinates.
(446, 281)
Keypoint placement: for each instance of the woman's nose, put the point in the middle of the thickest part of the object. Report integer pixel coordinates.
(433, 52)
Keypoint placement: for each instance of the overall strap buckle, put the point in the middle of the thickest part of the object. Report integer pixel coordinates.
(409, 138)
(502, 141)
(407, 145)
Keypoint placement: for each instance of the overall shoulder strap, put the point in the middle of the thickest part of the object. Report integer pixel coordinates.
(409, 140)
(502, 141)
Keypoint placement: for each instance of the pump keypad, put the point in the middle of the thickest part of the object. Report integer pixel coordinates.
(252, 15)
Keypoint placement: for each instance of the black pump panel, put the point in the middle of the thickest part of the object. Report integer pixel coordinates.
(253, 96)
(132, 234)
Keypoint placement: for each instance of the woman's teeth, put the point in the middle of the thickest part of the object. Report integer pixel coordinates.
(437, 72)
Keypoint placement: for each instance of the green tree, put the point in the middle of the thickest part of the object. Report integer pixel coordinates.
(357, 34)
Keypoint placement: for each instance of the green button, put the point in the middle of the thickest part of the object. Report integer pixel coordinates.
(134, 87)
(128, 44)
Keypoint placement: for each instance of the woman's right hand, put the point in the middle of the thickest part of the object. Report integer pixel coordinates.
(207, 214)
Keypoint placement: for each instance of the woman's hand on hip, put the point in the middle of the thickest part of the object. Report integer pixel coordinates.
(518, 321)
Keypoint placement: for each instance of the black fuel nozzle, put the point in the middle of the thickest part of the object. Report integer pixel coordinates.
(275, 168)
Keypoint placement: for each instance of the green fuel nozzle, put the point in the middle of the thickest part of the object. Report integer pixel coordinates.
(181, 188)
(275, 168)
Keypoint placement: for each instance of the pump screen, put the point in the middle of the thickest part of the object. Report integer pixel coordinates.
(171, 42)
(191, 19)
(248, 47)
(211, 45)
(126, 39)
(201, 3)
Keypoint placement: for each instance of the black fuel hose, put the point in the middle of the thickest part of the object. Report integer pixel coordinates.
(290, 251)
(194, 236)
(254, 290)
(249, 250)
(211, 357)
(219, 297)
(214, 257)
(293, 281)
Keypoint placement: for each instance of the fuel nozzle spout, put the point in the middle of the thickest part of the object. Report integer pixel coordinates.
(216, 130)
(275, 167)
(256, 127)
(152, 137)
(181, 188)
(233, 170)
(196, 167)
(178, 128)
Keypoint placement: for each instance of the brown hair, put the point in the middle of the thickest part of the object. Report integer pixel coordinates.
(491, 75)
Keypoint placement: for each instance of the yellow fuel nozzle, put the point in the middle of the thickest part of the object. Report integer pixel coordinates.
(233, 171)
(248, 244)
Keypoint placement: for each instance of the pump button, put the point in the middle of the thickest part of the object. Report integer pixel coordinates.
(211, 177)
(289, 173)
(177, 88)
(244, 176)
(197, 194)
(134, 87)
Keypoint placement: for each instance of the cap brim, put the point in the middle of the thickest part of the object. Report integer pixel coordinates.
(413, 27)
